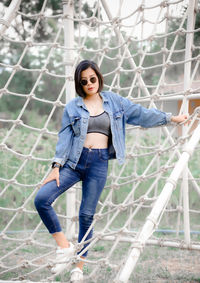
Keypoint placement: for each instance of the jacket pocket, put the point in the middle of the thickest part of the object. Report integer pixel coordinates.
(117, 117)
(76, 125)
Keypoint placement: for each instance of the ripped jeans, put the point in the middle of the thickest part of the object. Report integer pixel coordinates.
(92, 171)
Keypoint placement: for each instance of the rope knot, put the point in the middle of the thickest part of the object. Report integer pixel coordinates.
(3, 90)
(74, 219)
(3, 146)
(41, 15)
(164, 4)
(94, 21)
(12, 181)
(25, 264)
(17, 67)
(116, 20)
(168, 64)
(151, 37)
(141, 178)
(160, 152)
(179, 208)
(119, 69)
(98, 216)
(99, 236)
(29, 43)
(44, 131)
(55, 45)
(31, 95)
(138, 69)
(141, 8)
(122, 207)
(180, 31)
(187, 91)
(164, 50)
(44, 70)
(18, 122)
(65, 17)
(58, 103)
(29, 157)
(114, 186)
(155, 96)
(20, 209)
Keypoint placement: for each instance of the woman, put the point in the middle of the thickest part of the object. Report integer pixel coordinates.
(92, 132)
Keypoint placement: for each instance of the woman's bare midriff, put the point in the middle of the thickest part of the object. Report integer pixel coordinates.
(96, 140)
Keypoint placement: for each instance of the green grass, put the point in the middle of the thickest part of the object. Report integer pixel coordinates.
(22, 141)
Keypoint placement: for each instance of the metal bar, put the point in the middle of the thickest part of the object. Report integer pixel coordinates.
(155, 242)
(185, 109)
(68, 9)
(167, 98)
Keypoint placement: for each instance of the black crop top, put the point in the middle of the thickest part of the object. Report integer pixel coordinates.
(99, 124)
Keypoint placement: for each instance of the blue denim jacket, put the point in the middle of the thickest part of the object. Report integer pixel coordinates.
(121, 111)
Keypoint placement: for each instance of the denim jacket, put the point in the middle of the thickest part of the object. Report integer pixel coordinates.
(120, 110)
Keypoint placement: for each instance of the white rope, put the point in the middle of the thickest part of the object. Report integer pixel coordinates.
(133, 188)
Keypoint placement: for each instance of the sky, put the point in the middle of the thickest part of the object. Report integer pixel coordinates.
(126, 7)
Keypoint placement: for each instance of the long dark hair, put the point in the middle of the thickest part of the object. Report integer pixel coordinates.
(83, 65)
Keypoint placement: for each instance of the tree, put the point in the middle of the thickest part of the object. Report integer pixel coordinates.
(22, 81)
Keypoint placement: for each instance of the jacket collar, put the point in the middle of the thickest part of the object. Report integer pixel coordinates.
(102, 94)
(80, 101)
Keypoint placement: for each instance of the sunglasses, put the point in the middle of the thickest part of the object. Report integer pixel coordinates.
(84, 82)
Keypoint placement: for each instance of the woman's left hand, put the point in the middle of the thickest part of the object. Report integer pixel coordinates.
(179, 118)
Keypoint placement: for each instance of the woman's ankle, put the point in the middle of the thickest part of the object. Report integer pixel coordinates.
(81, 263)
(61, 240)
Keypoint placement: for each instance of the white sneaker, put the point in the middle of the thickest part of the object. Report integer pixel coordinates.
(62, 255)
(76, 275)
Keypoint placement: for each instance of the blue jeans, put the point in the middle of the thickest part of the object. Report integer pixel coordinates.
(92, 171)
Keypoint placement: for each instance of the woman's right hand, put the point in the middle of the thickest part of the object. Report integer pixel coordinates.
(54, 175)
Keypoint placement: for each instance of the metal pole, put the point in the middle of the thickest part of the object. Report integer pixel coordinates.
(9, 16)
(68, 10)
(185, 108)
(159, 206)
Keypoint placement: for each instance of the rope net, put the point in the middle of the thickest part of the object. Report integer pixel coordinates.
(143, 54)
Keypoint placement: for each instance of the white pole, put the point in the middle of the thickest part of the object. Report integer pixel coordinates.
(68, 24)
(185, 109)
(156, 213)
(168, 98)
(9, 16)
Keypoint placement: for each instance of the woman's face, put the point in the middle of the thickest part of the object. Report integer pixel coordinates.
(89, 81)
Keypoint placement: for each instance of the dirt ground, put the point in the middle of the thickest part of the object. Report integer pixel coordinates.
(156, 265)
(172, 265)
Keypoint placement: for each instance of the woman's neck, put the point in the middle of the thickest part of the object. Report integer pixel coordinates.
(92, 98)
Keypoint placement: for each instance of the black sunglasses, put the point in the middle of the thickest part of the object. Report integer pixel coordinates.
(84, 82)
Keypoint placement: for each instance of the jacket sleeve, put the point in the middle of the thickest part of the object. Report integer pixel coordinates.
(137, 115)
(64, 138)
